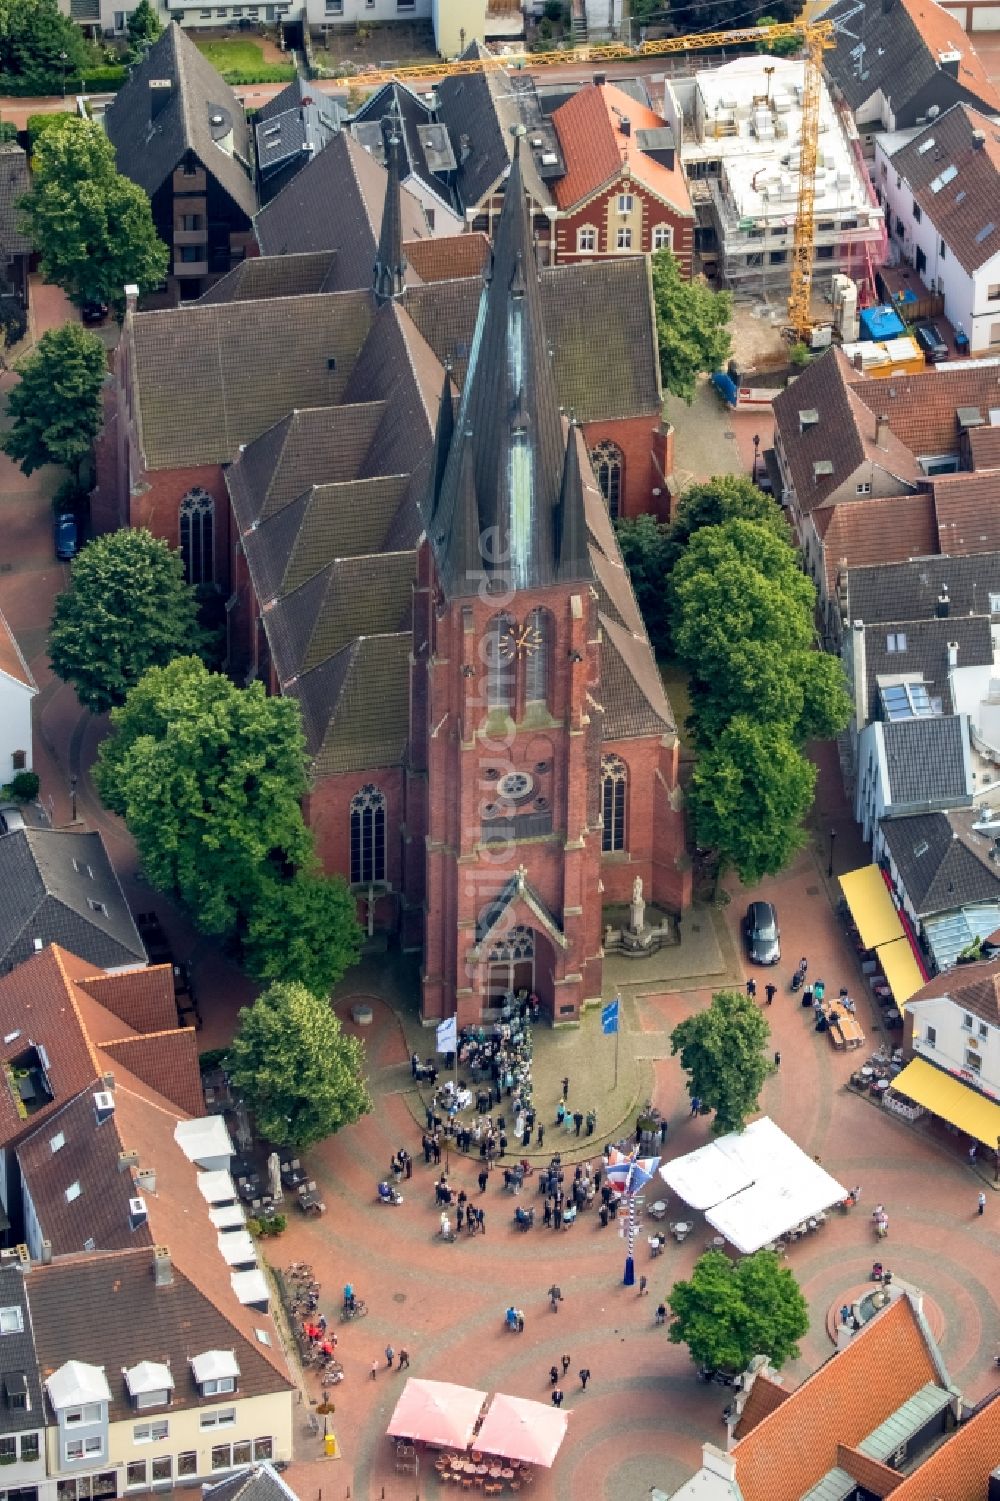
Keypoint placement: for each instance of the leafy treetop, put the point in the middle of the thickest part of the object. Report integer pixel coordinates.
(128, 608)
(34, 37)
(56, 405)
(722, 1052)
(301, 1076)
(92, 227)
(304, 929)
(144, 27)
(692, 326)
(728, 1312)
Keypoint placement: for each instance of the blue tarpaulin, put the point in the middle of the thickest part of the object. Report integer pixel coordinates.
(881, 323)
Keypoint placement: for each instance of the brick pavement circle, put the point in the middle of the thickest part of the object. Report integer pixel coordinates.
(852, 1295)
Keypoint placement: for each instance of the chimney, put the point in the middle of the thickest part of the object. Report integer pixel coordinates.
(860, 675)
(46, 1253)
(145, 1178)
(948, 62)
(626, 125)
(882, 432)
(131, 297)
(859, 361)
(979, 139)
(600, 79)
(952, 653)
(160, 90)
(943, 607)
(104, 1109)
(137, 1214)
(163, 1272)
(127, 1160)
(108, 1082)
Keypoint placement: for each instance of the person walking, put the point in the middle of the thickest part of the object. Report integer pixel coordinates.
(566, 1363)
(777, 1060)
(374, 1369)
(584, 1377)
(578, 1120)
(982, 1203)
(557, 1398)
(553, 1375)
(695, 1105)
(390, 1356)
(408, 1160)
(661, 1313)
(565, 1089)
(770, 991)
(643, 1286)
(541, 1133)
(404, 1358)
(752, 988)
(484, 1178)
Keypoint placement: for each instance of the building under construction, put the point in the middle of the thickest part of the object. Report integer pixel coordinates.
(742, 152)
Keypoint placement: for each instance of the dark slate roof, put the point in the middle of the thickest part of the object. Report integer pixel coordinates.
(412, 117)
(258, 1482)
(504, 475)
(210, 377)
(263, 276)
(149, 150)
(896, 48)
(910, 591)
(18, 1361)
(927, 760)
(299, 121)
(138, 1321)
(965, 211)
(482, 111)
(336, 203)
(14, 183)
(926, 653)
(942, 863)
(43, 896)
(356, 705)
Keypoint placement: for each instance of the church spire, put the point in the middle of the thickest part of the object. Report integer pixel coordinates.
(509, 425)
(442, 437)
(390, 262)
(572, 556)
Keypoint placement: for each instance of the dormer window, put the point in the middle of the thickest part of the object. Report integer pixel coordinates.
(215, 1372)
(15, 1388)
(11, 1321)
(149, 1384)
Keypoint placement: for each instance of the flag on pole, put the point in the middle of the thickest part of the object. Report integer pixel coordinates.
(609, 1017)
(447, 1035)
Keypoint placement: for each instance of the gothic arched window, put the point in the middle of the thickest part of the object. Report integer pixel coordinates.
(501, 662)
(519, 943)
(538, 651)
(197, 528)
(614, 786)
(609, 466)
(367, 836)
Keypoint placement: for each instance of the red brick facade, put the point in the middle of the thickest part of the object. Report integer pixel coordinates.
(646, 456)
(599, 214)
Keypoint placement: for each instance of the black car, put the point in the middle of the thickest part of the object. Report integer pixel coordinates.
(928, 336)
(760, 928)
(93, 311)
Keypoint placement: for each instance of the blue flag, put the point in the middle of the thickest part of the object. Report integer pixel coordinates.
(447, 1035)
(609, 1017)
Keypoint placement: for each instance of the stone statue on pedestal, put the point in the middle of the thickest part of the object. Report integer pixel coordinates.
(638, 909)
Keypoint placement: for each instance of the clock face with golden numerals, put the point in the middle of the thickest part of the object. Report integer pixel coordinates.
(519, 641)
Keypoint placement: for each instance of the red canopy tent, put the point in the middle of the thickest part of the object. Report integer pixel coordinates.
(517, 1428)
(436, 1412)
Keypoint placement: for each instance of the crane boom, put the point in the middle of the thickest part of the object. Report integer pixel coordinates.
(816, 35)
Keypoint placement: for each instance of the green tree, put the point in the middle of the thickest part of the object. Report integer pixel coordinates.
(692, 326)
(208, 778)
(304, 930)
(301, 1077)
(92, 227)
(56, 405)
(723, 1054)
(749, 793)
(783, 46)
(728, 1311)
(143, 29)
(726, 497)
(644, 547)
(34, 36)
(128, 608)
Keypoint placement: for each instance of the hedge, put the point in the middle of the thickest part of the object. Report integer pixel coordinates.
(91, 81)
(274, 73)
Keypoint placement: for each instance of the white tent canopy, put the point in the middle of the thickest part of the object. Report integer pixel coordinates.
(753, 1185)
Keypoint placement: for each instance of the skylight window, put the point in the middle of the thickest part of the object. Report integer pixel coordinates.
(73, 1192)
(58, 1141)
(984, 234)
(11, 1321)
(925, 146)
(960, 196)
(944, 178)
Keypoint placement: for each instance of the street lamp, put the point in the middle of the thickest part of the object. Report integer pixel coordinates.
(72, 799)
(833, 836)
(756, 454)
(63, 59)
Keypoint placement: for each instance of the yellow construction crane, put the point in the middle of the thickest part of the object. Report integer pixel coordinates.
(817, 36)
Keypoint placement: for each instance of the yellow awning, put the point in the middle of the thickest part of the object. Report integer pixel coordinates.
(950, 1099)
(900, 969)
(871, 906)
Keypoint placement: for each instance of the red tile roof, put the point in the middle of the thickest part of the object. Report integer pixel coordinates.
(143, 998)
(973, 987)
(596, 152)
(960, 1469)
(167, 1062)
(984, 447)
(449, 257)
(887, 530)
(967, 143)
(11, 658)
(921, 408)
(967, 507)
(943, 33)
(788, 1451)
(763, 1397)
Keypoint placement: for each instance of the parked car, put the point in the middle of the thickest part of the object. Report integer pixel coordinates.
(763, 938)
(928, 336)
(66, 536)
(93, 311)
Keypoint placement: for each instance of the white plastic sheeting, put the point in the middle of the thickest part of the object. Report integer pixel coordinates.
(753, 1185)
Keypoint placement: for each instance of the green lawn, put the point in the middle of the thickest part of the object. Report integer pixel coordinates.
(676, 683)
(233, 54)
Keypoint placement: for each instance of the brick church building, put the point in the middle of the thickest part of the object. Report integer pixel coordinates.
(404, 522)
